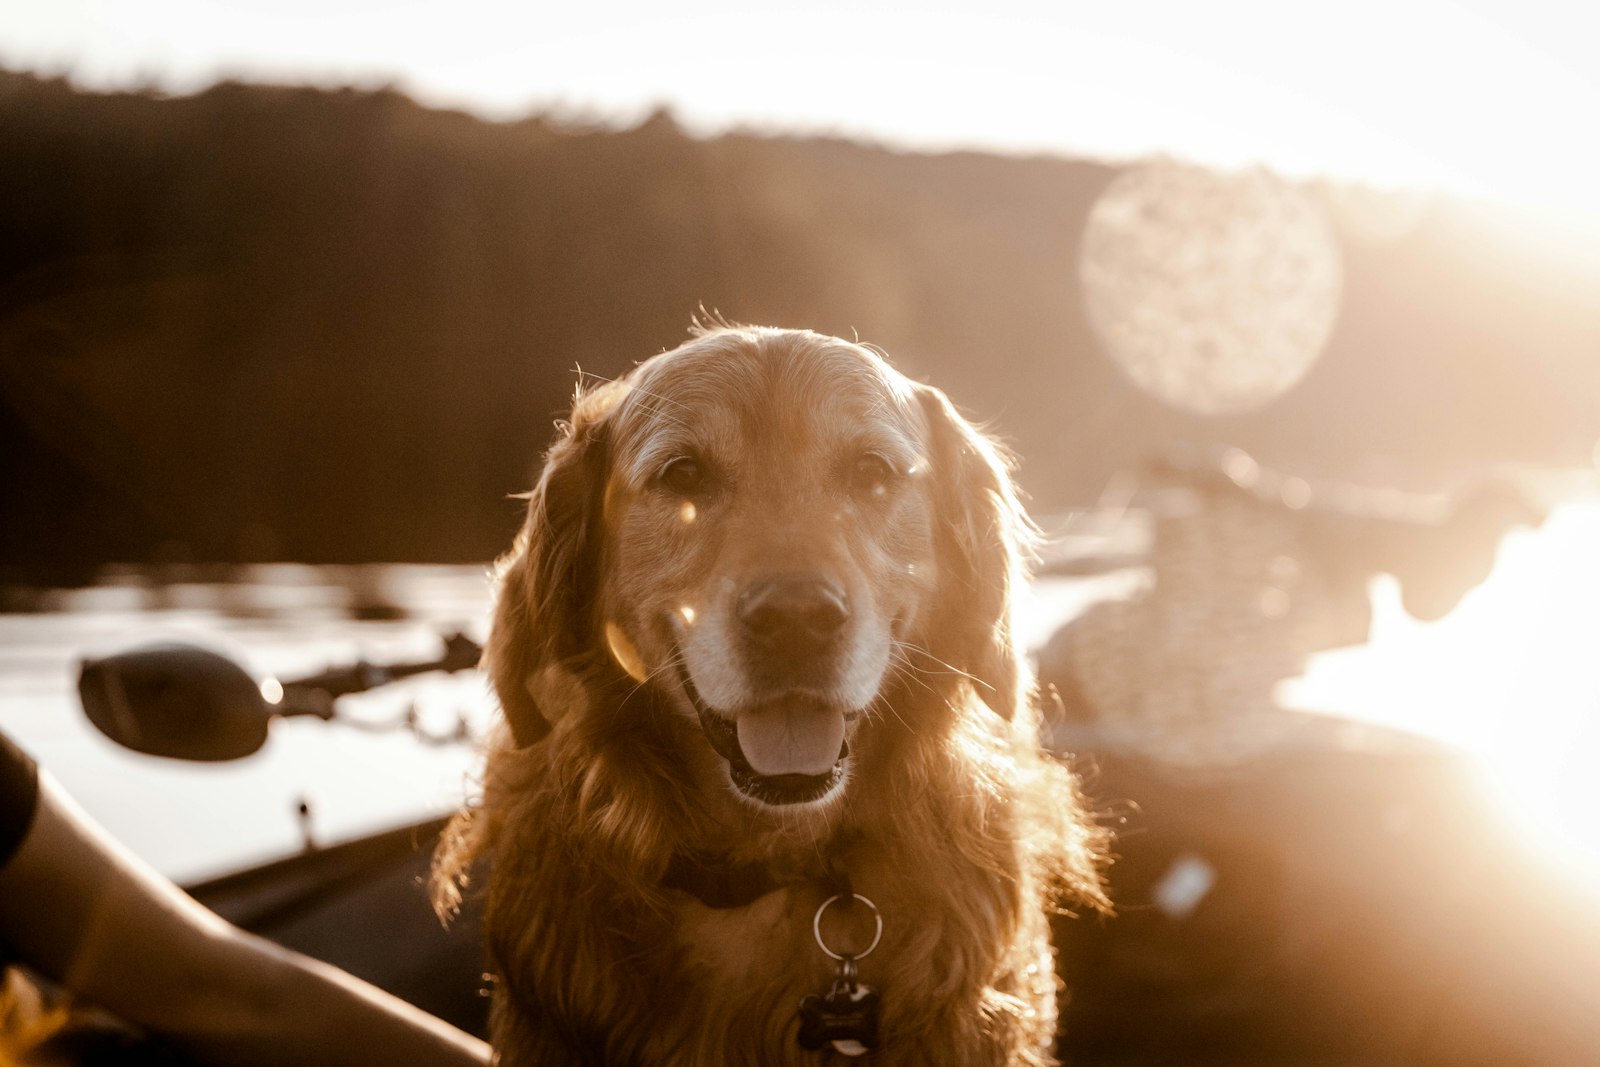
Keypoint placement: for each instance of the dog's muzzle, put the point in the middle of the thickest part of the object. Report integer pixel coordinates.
(798, 749)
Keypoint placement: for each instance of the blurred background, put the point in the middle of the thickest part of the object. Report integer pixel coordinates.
(1290, 312)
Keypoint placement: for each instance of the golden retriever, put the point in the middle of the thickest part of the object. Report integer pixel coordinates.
(755, 648)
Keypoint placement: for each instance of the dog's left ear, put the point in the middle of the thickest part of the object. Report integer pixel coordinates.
(985, 538)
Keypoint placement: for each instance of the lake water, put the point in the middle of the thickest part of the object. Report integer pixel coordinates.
(193, 820)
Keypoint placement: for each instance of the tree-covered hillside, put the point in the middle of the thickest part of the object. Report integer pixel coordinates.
(334, 325)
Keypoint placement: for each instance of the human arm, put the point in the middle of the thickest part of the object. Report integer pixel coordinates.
(83, 910)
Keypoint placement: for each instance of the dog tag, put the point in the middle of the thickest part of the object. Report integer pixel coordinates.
(846, 1018)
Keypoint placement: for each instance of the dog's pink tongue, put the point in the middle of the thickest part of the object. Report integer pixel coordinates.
(791, 740)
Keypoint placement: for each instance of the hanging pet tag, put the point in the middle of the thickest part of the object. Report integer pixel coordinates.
(846, 1017)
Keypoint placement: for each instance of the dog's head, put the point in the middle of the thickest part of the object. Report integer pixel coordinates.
(774, 533)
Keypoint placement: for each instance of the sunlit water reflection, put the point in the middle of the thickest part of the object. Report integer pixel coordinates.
(1512, 675)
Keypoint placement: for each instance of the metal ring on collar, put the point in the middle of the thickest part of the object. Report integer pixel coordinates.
(877, 933)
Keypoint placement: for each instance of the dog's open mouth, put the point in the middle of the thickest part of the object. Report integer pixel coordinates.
(791, 752)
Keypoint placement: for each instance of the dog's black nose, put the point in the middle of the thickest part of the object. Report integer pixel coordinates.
(794, 613)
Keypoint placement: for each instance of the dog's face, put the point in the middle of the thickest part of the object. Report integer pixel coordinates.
(770, 550)
(770, 530)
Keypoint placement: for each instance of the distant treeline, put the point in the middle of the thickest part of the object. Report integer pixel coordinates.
(268, 323)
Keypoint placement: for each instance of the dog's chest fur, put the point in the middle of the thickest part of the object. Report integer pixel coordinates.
(593, 970)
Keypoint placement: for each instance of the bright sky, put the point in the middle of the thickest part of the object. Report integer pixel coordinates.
(1491, 96)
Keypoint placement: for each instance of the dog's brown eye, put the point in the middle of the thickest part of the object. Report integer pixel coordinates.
(873, 474)
(683, 475)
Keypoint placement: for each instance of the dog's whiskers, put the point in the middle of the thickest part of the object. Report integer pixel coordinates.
(948, 667)
(670, 662)
(905, 671)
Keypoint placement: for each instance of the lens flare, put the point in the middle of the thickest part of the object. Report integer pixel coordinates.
(624, 652)
(1214, 293)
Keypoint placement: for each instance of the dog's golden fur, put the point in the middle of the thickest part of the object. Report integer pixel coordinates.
(808, 453)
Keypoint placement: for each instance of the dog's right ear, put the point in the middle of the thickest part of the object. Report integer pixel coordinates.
(983, 543)
(548, 583)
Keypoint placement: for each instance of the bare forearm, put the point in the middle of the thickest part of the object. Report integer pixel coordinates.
(84, 911)
(294, 1009)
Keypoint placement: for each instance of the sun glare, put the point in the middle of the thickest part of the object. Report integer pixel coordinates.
(1512, 675)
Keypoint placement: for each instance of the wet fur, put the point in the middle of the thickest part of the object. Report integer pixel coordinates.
(953, 821)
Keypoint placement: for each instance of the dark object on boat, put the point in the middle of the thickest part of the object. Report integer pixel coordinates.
(177, 701)
(190, 703)
(1354, 897)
